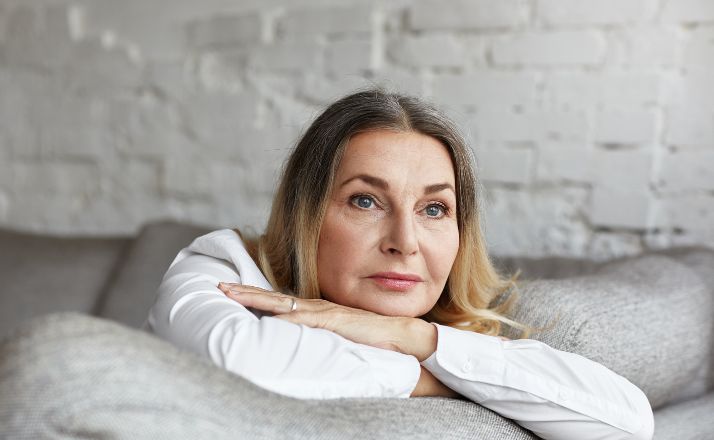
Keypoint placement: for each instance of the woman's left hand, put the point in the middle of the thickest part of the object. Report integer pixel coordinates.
(403, 334)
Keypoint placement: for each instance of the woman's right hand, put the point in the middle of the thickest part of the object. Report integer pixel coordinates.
(429, 385)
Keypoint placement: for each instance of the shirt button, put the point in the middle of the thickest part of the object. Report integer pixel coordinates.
(468, 365)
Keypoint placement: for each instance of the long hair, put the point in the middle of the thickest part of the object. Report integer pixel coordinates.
(287, 251)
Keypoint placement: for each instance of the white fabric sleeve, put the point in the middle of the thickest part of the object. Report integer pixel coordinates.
(553, 393)
(294, 360)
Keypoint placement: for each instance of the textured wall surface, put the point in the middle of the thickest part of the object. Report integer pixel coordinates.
(592, 121)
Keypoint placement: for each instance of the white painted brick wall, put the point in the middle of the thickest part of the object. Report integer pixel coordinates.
(468, 14)
(553, 48)
(438, 50)
(602, 12)
(592, 122)
(505, 166)
(688, 11)
(225, 30)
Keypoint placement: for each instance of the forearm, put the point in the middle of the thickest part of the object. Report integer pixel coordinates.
(429, 385)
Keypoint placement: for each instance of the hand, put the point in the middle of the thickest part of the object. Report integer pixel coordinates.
(406, 335)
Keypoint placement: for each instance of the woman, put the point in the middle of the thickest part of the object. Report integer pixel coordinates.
(372, 279)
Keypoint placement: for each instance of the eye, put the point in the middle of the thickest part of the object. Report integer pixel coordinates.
(436, 210)
(362, 201)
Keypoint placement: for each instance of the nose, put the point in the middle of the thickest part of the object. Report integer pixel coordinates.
(401, 235)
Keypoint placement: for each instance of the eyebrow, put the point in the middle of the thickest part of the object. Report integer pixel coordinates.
(382, 184)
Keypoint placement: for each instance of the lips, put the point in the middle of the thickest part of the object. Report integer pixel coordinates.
(394, 281)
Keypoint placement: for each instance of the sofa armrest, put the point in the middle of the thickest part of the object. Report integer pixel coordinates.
(75, 374)
(648, 318)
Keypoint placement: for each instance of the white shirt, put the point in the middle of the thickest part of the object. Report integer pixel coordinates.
(555, 394)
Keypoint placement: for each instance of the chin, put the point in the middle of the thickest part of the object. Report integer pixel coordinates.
(395, 310)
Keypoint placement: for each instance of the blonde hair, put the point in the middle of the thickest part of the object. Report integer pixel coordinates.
(287, 251)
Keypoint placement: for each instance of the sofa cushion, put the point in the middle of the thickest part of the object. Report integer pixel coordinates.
(44, 273)
(68, 375)
(132, 290)
(690, 420)
(647, 318)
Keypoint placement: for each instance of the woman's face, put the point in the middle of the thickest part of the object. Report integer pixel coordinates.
(391, 216)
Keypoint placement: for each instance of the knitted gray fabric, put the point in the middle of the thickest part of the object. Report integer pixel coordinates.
(74, 376)
(647, 318)
(691, 420)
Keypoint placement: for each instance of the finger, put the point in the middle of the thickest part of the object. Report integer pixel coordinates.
(241, 288)
(271, 303)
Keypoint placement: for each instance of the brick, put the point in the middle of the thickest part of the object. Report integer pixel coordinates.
(468, 14)
(505, 165)
(321, 90)
(188, 176)
(603, 12)
(211, 115)
(326, 20)
(688, 11)
(485, 89)
(70, 127)
(606, 246)
(552, 48)
(37, 37)
(693, 212)
(169, 77)
(475, 48)
(99, 215)
(686, 127)
(100, 71)
(687, 170)
(699, 49)
(350, 56)
(543, 221)
(604, 90)
(246, 184)
(645, 46)
(620, 208)
(618, 169)
(127, 176)
(224, 30)
(563, 162)
(49, 213)
(292, 56)
(438, 50)
(222, 71)
(623, 127)
(502, 125)
(399, 80)
(691, 116)
(55, 178)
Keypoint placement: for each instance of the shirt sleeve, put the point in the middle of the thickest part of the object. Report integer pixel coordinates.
(553, 393)
(286, 358)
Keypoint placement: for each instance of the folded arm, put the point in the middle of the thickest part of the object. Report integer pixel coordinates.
(286, 358)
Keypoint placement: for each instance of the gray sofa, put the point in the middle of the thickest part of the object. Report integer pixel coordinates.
(73, 363)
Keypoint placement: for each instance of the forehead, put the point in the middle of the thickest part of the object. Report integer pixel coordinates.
(395, 155)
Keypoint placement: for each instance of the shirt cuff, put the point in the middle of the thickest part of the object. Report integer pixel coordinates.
(396, 373)
(466, 355)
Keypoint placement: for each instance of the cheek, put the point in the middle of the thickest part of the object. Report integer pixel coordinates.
(442, 253)
(338, 254)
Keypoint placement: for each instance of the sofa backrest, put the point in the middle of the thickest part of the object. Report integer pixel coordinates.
(132, 290)
(42, 273)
